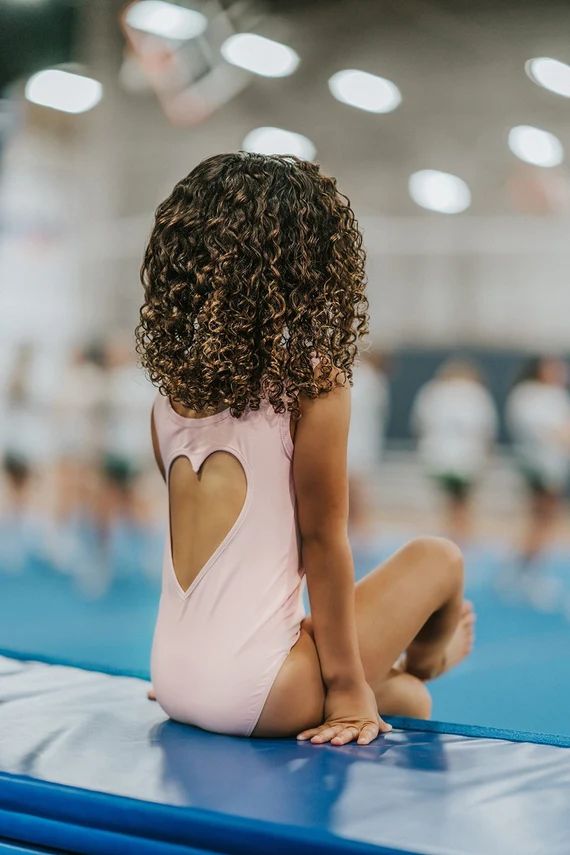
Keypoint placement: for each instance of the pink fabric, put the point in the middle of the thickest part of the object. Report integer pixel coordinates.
(218, 647)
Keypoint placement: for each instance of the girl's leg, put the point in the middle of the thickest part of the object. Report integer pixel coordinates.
(403, 694)
(541, 527)
(458, 517)
(412, 602)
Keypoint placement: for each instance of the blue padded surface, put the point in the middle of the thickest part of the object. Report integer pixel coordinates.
(7, 848)
(89, 764)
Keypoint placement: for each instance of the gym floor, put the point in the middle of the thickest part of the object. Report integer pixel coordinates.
(518, 676)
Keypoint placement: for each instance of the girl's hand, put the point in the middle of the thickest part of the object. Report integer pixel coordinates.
(350, 714)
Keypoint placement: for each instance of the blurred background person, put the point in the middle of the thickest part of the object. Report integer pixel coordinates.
(26, 451)
(19, 420)
(455, 419)
(125, 513)
(127, 449)
(368, 419)
(77, 541)
(538, 419)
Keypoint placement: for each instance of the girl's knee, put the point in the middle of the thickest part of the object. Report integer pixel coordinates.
(417, 702)
(443, 558)
(422, 701)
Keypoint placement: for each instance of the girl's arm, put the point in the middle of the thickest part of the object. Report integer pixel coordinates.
(321, 489)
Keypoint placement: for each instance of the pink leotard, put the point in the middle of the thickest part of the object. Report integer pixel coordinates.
(218, 646)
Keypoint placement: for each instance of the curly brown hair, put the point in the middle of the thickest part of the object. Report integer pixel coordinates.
(255, 264)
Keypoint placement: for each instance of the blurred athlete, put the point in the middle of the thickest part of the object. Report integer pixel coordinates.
(456, 421)
(538, 418)
(368, 418)
(127, 448)
(25, 450)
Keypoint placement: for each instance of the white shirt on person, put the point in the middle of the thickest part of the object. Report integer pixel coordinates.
(456, 422)
(368, 417)
(129, 397)
(536, 414)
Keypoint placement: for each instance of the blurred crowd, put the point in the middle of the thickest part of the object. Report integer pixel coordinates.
(81, 497)
(76, 459)
(455, 424)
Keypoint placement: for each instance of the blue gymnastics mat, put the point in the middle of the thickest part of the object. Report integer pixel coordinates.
(89, 765)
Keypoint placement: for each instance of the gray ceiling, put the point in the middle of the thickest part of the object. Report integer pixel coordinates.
(458, 64)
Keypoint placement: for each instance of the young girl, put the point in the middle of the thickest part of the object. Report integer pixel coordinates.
(254, 301)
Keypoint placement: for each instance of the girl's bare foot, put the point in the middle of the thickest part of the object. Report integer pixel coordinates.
(461, 643)
(150, 694)
(460, 646)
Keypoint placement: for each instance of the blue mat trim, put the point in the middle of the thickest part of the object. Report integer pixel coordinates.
(97, 823)
(559, 740)
(88, 841)
(472, 730)
(8, 847)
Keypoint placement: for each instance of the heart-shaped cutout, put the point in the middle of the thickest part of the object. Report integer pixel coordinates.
(204, 509)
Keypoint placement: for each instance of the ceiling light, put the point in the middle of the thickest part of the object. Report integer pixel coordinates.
(260, 55)
(536, 146)
(167, 20)
(62, 90)
(439, 191)
(279, 141)
(365, 91)
(550, 73)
